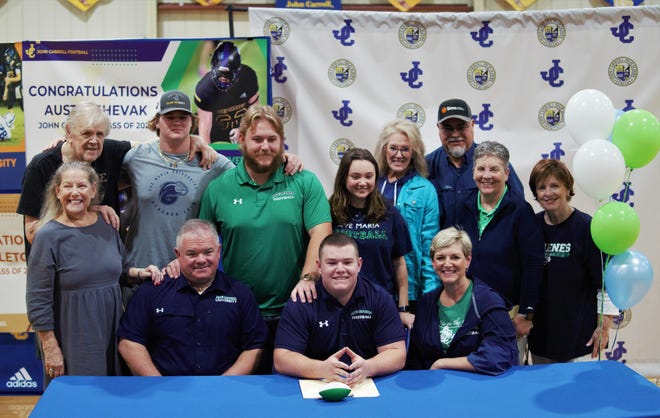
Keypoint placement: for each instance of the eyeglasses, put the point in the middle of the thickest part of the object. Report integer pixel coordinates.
(402, 150)
(448, 130)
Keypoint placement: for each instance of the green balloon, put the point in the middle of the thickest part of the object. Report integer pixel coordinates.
(637, 134)
(615, 227)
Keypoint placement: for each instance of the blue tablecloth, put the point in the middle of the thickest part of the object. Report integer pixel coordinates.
(593, 389)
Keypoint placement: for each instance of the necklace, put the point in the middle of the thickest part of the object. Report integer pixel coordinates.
(356, 214)
(173, 162)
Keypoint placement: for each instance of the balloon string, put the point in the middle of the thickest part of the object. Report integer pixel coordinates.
(602, 301)
(626, 183)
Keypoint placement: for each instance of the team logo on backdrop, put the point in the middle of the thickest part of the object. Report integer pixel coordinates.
(412, 112)
(556, 153)
(342, 114)
(625, 194)
(629, 105)
(338, 148)
(623, 71)
(412, 34)
(552, 74)
(481, 75)
(481, 36)
(277, 29)
(551, 116)
(551, 32)
(622, 320)
(342, 73)
(283, 108)
(617, 352)
(412, 76)
(343, 35)
(623, 31)
(277, 70)
(482, 119)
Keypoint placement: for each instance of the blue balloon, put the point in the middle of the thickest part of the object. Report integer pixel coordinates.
(628, 277)
(617, 113)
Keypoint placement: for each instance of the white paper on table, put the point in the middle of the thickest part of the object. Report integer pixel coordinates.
(310, 389)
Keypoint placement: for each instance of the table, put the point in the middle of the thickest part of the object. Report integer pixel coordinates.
(592, 389)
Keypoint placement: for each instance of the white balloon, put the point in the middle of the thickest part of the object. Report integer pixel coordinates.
(599, 168)
(589, 114)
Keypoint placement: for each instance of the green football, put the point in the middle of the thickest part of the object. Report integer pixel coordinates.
(335, 391)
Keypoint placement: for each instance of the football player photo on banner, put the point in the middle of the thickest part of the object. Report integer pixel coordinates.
(12, 117)
(126, 78)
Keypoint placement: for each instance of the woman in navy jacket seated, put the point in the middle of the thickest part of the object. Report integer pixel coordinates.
(464, 325)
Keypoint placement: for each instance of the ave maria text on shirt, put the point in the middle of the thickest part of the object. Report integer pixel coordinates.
(362, 231)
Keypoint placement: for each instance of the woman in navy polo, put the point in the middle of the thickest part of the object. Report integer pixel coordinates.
(464, 325)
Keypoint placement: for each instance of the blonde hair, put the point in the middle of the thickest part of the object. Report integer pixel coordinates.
(411, 131)
(448, 237)
(259, 111)
(52, 207)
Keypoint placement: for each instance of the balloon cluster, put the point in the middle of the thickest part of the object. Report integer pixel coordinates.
(612, 144)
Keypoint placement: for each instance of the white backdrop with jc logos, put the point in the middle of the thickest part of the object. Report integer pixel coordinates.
(338, 77)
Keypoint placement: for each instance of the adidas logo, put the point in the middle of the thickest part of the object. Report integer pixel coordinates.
(21, 379)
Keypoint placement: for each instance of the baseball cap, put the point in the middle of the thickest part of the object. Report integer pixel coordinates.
(454, 108)
(174, 100)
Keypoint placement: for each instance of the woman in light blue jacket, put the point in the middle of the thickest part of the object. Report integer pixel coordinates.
(402, 180)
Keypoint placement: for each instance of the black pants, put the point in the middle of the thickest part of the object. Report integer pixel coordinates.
(266, 364)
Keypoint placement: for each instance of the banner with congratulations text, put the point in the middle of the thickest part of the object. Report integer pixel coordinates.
(339, 76)
(126, 78)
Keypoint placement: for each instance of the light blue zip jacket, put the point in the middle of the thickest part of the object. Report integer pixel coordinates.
(417, 201)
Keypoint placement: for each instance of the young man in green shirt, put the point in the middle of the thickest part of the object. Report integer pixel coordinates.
(271, 224)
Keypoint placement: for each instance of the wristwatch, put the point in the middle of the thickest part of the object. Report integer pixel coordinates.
(404, 308)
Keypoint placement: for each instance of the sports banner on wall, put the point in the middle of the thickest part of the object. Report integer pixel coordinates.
(126, 78)
(339, 77)
(12, 128)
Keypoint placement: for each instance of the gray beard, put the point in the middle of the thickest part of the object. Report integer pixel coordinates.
(456, 152)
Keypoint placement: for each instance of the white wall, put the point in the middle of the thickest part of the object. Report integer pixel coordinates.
(110, 19)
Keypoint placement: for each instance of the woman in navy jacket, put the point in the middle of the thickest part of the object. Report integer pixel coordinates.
(464, 325)
(507, 239)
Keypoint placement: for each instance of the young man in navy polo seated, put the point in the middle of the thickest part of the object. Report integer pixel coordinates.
(350, 332)
(201, 323)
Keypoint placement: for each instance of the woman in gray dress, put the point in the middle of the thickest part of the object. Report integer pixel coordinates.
(73, 295)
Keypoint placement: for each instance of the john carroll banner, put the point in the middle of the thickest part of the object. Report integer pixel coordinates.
(125, 77)
(338, 77)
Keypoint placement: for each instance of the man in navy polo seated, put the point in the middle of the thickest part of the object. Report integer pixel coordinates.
(352, 331)
(201, 323)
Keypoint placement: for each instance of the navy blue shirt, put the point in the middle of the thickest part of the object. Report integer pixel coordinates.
(566, 315)
(452, 183)
(319, 329)
(378, 243)
(191, 334)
